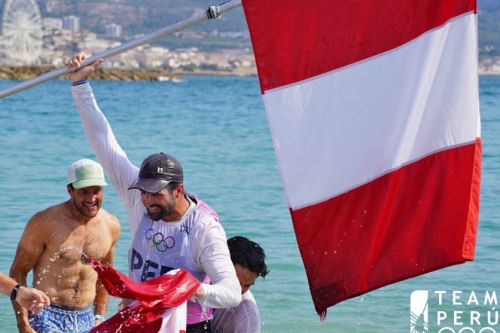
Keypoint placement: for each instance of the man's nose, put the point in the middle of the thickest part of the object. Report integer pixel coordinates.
(91, 197)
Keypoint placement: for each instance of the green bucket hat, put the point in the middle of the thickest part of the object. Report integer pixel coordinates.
(86, 173)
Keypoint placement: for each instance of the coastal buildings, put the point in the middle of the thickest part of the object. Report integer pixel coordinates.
(71, 23)
(113, 30)
(53, 39)
(47, 32)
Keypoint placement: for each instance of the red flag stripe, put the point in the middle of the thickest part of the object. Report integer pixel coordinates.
(392, 110)
(309, 39)
(384, 231)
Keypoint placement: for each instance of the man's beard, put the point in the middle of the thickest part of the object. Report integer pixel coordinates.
(165, 210)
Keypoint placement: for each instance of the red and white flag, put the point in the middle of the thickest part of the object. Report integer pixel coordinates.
(374, 112)
(159, 306)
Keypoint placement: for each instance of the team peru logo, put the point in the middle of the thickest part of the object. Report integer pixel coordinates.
(419, 311)
(454, 311)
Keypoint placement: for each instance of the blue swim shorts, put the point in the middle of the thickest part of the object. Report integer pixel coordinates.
(58, 319)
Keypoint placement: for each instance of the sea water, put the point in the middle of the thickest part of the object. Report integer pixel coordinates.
(216, 126)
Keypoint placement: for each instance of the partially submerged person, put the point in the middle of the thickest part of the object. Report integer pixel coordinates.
(170, 229)
(52, 246)
(29, 298)
(249, 261)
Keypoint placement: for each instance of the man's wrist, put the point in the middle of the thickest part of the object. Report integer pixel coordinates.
(14, 292)
(79, 82)
(201, 293)
(99, 317)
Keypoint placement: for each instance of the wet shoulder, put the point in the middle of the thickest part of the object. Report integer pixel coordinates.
(49, 217)
(109, 220)
(107, 217)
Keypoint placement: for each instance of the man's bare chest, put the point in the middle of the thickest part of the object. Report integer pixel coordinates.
(68, 244)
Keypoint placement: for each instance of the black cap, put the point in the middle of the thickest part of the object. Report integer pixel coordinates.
(157, 171)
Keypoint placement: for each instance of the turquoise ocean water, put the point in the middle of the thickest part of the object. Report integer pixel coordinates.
(217, 128)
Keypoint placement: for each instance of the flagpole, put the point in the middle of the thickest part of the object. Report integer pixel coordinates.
(211, 13)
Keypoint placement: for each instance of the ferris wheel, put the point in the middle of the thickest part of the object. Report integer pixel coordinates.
(21, 31)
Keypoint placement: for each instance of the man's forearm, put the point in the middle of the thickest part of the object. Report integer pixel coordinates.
(101, 300)
(21, 317)
(6, 284)
(20, 312)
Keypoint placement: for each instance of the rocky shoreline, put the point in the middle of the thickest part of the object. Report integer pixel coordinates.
(28, 72)
(489, 66)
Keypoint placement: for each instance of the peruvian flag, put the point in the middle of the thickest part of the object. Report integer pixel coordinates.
(374, 112)
(160, 304)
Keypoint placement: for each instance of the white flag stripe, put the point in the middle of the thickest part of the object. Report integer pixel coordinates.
(342, 129)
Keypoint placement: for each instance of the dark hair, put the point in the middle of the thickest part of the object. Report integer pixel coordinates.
(248, 254)
(171, 186)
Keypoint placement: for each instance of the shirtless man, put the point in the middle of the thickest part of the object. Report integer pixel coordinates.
(52, 245)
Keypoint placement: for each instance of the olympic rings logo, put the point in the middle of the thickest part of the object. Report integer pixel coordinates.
(161, 242)
(467, 330)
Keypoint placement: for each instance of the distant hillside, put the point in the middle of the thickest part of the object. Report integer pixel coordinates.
(489, 28)
(137, 17)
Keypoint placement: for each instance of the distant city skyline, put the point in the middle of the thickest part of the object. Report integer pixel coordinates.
(40, 31)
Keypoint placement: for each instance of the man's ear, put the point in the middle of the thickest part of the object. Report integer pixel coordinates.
(179, 191)
(70, 189)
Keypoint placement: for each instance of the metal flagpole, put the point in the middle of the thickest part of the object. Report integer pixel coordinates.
(211, 13)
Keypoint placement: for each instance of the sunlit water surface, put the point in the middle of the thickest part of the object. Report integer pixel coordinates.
(217, 128)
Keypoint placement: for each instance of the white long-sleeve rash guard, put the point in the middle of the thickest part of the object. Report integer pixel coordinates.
(197, 241)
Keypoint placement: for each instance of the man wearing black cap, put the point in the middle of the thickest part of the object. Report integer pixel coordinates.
(170, 229)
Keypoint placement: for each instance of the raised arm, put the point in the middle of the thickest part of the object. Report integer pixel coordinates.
(29, 250)
(114, 160)
(98, 131)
